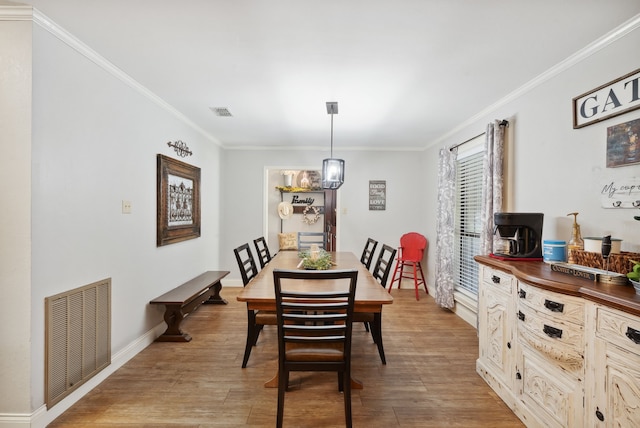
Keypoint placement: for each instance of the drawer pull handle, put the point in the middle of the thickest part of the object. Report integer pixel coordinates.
(520, 316)
(633, 335)
(522, 294)
(552, 331)
(495, 279)
(554, 306)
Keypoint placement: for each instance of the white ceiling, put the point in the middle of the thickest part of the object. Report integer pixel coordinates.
(404, 72)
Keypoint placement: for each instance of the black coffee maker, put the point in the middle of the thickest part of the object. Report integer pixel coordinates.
(518, 235)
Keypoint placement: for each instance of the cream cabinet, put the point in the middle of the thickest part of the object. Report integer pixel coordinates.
(550, 357)
(615, 398)
(496, 322)
(558, 359)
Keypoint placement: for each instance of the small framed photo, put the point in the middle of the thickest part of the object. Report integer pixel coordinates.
(178, 199)
(623, 144)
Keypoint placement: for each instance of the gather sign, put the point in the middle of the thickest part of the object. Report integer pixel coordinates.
(611, 99)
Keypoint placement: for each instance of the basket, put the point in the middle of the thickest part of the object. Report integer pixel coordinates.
(618, 262)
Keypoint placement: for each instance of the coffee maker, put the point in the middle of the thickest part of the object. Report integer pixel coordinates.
(518, 236)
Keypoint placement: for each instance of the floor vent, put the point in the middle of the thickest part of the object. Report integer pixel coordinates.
(78, 338)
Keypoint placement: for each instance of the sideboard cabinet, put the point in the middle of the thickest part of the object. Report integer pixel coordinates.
(559, 351)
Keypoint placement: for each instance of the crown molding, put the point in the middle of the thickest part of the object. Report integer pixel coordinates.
(604, 41)
(15, 13)
(29, 13)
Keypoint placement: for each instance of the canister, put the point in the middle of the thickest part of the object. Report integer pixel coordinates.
(554, 251)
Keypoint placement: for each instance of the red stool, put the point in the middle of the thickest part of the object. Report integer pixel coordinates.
(410, 252)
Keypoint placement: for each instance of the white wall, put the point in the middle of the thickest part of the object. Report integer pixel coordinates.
(557, 169)
(94, 143)
(243, 206)
(15, 215)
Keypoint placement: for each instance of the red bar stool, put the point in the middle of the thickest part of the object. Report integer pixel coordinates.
(410, 252)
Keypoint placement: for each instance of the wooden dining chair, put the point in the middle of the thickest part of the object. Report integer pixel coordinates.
(367, 253)
(306, 239)
(373, 321)
(264, 256)
(256, 320)
(314, 328)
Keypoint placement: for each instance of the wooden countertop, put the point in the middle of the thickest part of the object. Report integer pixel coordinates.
(622, 297)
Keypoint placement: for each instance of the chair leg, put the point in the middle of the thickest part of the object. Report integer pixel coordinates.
(424, 283)
(347, 398)
(253, 331)
(366, 326)
(399, 266)
(376, 332)
(415, 281)
(283, 380)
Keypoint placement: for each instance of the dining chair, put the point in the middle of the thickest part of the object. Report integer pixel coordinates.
(256, 320)
(373, 321)
(367, 253)
(314, 328)
(264, 256)
(306, 239)
(410, 253)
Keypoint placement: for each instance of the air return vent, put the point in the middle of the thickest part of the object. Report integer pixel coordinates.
(78, 338)
(221, 111)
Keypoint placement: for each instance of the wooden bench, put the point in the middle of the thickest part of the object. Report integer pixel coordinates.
(186, 298)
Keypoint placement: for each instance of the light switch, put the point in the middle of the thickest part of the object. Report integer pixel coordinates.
(126, 207)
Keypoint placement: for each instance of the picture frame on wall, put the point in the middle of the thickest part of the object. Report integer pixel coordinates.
(623, 144)
(178, 201)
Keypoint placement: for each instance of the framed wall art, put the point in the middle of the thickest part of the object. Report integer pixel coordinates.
(623, 144)
(178, 199)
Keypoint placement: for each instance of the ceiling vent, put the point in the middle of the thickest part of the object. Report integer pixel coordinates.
(221, 111)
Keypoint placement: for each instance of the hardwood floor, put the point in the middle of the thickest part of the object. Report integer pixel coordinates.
(429, 379)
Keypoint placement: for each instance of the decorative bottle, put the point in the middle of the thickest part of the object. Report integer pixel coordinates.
(576, 242)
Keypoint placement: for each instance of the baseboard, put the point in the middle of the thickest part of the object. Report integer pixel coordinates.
(42, 416)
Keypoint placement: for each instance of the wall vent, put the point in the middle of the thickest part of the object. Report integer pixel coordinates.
(221, 111)
(78, 338)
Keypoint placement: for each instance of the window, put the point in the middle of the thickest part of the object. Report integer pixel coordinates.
(468, 216)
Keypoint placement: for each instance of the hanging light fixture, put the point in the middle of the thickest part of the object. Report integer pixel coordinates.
(332, 169)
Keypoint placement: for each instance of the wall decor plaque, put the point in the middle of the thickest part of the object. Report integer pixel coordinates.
(611, 99)
(178, 201)
(377, 195)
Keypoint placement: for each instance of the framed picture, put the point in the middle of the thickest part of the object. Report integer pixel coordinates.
(178, 199)
(611, 99)
(623, 144)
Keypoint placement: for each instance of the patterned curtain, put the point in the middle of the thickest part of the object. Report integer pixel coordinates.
(492, 181)
(445, 227)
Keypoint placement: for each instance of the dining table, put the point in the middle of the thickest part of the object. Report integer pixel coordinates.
(259, 293)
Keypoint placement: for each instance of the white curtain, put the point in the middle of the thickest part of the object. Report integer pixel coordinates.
(492, 184)
(492, 181)
(445, 227)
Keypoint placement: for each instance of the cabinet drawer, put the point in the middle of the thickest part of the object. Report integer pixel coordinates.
(497, 279)
(619, 328)
(557, 306)
(559, 341)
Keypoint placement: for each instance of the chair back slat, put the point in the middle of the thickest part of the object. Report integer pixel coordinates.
(367, 253)
(264, 256)
(383, 265)
(306, 239)
(246, 263)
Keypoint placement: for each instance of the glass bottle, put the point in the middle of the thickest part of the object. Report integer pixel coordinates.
(576, 242)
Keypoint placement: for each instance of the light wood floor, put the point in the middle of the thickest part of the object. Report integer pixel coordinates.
(429, 379)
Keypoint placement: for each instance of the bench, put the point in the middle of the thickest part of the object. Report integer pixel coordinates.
(186, 298)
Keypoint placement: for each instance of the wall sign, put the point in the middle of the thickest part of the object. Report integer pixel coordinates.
(611, 99)
(624, 193)
(377, 195)
(623, 144)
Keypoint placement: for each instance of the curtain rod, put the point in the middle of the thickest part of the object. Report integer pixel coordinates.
(505, 122)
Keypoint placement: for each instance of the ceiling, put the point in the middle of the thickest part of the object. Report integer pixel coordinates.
(404, 72)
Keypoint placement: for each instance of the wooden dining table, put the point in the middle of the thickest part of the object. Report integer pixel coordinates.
(259, 294)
